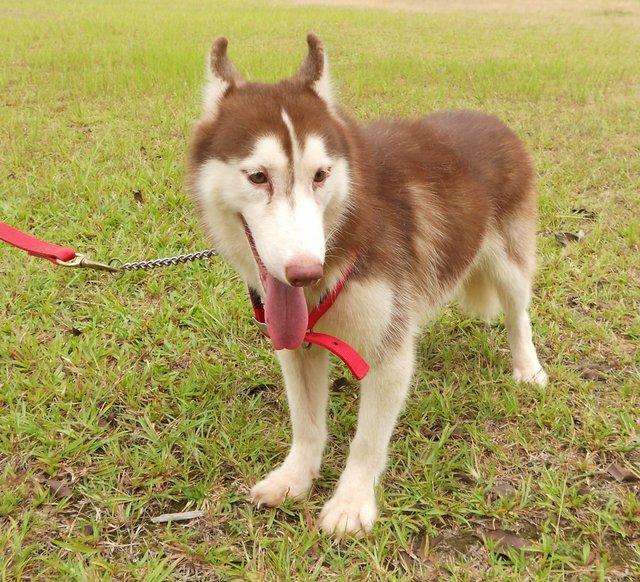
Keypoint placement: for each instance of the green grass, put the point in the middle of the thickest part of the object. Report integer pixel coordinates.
(153, 393)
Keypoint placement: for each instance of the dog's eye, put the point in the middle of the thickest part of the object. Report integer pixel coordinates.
(320, 176)
(258, 178)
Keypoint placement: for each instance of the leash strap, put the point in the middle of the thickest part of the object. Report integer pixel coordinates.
(329, 300)
(34, 246)
(353, 360)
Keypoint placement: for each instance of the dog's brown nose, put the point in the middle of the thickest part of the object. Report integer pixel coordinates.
(301, 275)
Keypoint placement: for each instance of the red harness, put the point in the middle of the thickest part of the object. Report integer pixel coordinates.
(352, 359)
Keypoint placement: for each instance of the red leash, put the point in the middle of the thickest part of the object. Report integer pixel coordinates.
(34, 246)
(46, 250)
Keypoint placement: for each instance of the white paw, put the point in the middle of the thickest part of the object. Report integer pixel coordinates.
(531, 376)
(349, 514)
(279, 485)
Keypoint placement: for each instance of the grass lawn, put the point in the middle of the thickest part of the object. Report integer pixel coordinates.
(122, 399)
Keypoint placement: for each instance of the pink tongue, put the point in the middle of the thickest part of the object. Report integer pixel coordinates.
(285, 313)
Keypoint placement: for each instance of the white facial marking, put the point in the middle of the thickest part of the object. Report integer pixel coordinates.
(314, 156)
(292, 134)
(269, 154)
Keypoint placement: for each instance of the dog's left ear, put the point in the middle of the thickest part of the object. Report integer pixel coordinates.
(315, 69)
(221, 75)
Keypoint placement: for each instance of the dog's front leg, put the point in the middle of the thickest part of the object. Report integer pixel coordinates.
(307, 383)
(352, 509)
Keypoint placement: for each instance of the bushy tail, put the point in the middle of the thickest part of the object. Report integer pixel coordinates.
(479, 297)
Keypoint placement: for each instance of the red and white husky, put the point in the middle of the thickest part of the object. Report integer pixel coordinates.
(408, 215)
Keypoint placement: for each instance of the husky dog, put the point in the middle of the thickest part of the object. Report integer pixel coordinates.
(404, 216)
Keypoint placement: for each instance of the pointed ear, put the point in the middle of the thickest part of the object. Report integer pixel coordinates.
(315, 70)
(221, 75)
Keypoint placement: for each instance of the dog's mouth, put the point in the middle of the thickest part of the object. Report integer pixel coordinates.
(285, 307)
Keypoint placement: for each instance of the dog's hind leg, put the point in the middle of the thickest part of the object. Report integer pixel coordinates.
(352, 509)
(306, 380)
(513, 283)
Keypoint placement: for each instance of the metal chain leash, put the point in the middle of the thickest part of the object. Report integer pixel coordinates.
(164, 262)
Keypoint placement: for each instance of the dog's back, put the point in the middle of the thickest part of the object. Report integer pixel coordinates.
(438, 194)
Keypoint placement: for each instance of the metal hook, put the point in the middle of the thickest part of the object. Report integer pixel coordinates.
(82, 261)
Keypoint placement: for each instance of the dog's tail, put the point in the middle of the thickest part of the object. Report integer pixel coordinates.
(479, 297)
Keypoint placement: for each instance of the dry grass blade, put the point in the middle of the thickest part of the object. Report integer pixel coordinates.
(182, 516)
(584, 213)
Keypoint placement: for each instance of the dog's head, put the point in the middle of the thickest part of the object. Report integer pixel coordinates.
(270, 172)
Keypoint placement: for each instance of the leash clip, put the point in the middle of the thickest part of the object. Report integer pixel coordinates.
(82, 261)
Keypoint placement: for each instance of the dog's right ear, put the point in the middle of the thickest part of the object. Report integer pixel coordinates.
(221, 74)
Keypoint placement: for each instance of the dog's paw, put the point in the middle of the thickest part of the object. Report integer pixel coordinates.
(279, 485)
(349, 515)
(531, 376)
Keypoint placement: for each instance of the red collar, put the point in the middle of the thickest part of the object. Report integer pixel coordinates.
(352, 359)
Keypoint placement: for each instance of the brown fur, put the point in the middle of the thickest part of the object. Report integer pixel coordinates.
(446, 170)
